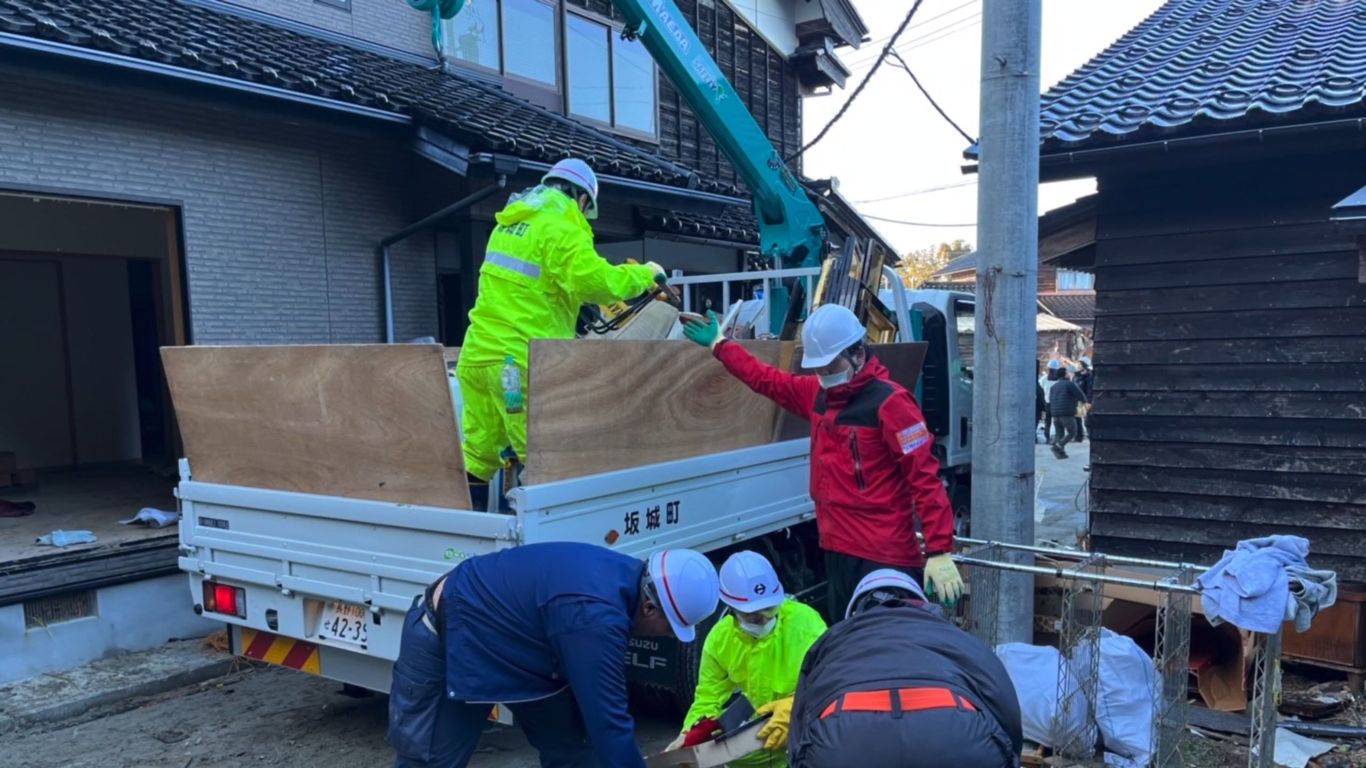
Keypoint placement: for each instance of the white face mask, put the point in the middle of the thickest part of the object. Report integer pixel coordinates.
(759, 631)
(832, 380)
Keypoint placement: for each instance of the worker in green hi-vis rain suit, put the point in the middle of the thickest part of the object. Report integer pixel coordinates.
(756, 648)
(540, 267)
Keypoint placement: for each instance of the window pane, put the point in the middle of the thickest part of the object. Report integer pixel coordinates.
(474, 34)
(634, 85)
(588, 78)
(529, 40)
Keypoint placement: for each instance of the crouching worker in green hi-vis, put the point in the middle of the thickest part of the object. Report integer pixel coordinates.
(757, 649)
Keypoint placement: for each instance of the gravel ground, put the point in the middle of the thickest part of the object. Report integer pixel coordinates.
(257, 716)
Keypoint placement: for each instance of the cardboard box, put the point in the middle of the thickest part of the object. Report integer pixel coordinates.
(1218, 654)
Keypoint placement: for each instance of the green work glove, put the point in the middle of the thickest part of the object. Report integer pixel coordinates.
(707, 334)
(775, 731)
(941, 576)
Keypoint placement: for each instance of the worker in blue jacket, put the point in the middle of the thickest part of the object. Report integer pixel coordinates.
(543, 629)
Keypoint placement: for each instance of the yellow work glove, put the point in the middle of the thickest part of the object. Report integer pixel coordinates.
(658, 270)
(774, 733)
(941, 575)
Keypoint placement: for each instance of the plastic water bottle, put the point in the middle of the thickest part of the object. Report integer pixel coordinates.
(512, 386)
(66, 538)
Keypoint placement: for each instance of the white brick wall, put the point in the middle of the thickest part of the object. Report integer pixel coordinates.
(280, 218)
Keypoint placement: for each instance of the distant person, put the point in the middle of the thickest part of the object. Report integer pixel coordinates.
(1083, 382)
(1040, 402)
(1046, 382)
(1063, 399)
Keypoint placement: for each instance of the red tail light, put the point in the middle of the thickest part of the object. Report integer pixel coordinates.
(226, 599)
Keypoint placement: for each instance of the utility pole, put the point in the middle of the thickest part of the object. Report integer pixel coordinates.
(1004, 344)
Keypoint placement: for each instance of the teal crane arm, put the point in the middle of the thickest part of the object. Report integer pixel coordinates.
(791, 228)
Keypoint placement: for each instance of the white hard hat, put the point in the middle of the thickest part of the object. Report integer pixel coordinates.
(1054, 365)
(749, 584)
(829, 330)
(1086, 361)
(884, 578)
(685, 583)
(577, 172)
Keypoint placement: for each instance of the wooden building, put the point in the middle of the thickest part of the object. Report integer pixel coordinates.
(1230, 301)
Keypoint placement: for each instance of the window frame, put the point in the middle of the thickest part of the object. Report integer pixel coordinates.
(592, 18)
(614, 29)
(557, 10)
(1074, 275)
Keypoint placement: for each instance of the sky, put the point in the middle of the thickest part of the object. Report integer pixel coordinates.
(892, 142)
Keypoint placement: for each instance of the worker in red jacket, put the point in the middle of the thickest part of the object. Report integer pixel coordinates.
(871, 467)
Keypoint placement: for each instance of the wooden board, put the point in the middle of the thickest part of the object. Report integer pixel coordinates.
(1289, 405)
(1213, 511)
(1187, 247)
(1259, 324)
(1267, 377)
(1291, 295)
(1259, 458)
(366, 421)
(1334, 265)
(598, 407)
(1310, 433)
(1202, 481)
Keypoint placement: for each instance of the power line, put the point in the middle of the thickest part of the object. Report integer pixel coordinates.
(923, 22)
(862, 84)
(915, 192)
(914, 223)
(946, 34)
(902, 62)
(915, 42)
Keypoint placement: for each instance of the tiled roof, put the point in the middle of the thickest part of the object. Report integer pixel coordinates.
(735, 224)
(1071, 306)
(480, 115)
(959, 264)
(1204, 65)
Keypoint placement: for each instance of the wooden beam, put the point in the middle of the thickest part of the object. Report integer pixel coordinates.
(1256, 458)
(1265, 377)
(1189, 247)
(174, 269)
(1204, 509)
(1247, 324)
(1340, 349)
(1333, 265)
(1231, 298)
(1342, 543)
(1204, 481)
(1312, 433)
(366, 421)
(1283, 405)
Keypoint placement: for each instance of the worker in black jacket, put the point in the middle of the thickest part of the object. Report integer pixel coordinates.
(1063, 399)
(896, 685)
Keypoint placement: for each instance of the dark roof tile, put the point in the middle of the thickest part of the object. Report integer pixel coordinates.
(478, 114)
(1076, 307)
(1214, 64)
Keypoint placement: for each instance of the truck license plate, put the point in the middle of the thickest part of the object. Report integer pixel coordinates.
(345, 622)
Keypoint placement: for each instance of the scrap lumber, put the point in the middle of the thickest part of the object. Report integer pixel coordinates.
(365, 421)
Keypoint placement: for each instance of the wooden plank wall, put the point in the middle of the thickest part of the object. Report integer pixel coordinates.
(1230, 364)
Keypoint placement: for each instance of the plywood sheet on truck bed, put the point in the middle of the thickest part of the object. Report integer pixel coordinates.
(366, 421)
(599, 407)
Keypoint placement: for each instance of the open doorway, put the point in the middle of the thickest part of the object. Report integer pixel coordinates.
(89, 291)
